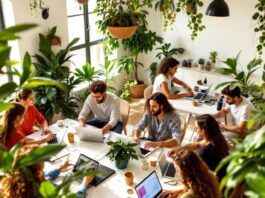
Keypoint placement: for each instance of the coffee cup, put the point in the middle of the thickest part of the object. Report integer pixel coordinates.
(129, 178)
(153, 162)
(60, 123)
(71, 137)
(194, 103)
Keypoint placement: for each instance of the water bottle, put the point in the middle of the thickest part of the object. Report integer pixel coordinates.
(220, 103)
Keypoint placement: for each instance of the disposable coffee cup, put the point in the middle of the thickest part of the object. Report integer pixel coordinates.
(129, 178)
(71, 137)
(145, 165)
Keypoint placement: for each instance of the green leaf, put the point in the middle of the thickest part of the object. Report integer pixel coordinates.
(7, 89)
(47, 189)
(26, 69)
(5, 106)
(38, 155)
(41, 81)
(19, 28)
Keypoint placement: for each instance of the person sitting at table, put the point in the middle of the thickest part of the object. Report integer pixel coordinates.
(240, 109)
(165, 77)
(23, 186)
(32, 116)
(162, 121)
(105, 106)
(213, 147)
(10, 128)
(195, 176)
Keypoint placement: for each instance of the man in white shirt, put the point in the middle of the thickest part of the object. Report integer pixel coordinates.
(105, 107)
(240, 109)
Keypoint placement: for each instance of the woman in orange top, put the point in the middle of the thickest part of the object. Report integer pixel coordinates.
(32, 116)
(9, 125)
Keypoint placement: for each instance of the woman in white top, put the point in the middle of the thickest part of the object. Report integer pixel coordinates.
(165, 76)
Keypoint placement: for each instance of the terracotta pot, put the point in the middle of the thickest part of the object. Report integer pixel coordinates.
(137, 91)
(122, 32)
(82, 1)
(55, 41)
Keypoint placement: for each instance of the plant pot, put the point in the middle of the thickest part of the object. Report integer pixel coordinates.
(55, 41)
(121, 164)
(122, 32)
(137, 91)
(82, 1)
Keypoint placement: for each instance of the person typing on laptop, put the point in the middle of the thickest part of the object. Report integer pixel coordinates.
(162, 121)
(105, 107)
(240, 109)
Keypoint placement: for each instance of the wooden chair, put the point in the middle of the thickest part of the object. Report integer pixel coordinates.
(125, 111)
(148, 91)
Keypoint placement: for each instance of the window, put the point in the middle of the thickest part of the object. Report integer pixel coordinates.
(82, 24)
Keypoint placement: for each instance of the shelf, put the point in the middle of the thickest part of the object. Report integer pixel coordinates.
(196, 69)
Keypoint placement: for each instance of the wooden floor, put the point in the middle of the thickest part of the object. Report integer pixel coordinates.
(137, 111)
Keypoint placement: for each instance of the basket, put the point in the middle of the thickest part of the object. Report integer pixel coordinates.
(122, 32)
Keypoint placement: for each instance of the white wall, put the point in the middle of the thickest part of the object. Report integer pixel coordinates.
(57, 17)
(227, 35)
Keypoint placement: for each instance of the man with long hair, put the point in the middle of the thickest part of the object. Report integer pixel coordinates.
(240, 109)
(162, 121)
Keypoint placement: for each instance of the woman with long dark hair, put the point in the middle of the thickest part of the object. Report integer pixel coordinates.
(165, 77)
(197, 179)
(213, 147)
(9, 125)
(26, 98)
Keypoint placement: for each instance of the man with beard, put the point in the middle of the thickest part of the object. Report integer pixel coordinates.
(162, 121)
(240, 109)
(105, 107)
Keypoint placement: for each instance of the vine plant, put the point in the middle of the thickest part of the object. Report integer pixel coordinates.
(259, 17)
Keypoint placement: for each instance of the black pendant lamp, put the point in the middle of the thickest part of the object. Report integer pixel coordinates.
(218, 8)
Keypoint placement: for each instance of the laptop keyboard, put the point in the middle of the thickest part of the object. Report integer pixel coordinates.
(144, 151)
(53, 141)
(171, 171)
(198, 96)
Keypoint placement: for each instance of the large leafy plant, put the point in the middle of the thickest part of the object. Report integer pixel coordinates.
(49, 99)
(243, 78)
(26, 78)
(121, 150)
(245, 167)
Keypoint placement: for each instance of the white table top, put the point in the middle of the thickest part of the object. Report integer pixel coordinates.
(115, 185)
(185, 105)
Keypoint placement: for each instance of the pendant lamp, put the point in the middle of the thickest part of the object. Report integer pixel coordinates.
(218, 8)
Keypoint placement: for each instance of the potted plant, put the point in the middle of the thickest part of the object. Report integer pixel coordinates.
(213, 57)
(121, 18)
(49, 99)
(121, 152)
(201, 63)
(52, 37)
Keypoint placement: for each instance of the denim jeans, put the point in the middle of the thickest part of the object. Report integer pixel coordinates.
(100, 124)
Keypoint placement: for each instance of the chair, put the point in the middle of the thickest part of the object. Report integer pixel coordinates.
(125, 110)
(183, 126)
(148, 91)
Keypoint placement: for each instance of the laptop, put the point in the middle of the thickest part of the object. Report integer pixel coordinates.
(149, 187)
(58, 138)
(86, 163)
(167, 168)
(201, 95)
(91, 134)
(139, 148)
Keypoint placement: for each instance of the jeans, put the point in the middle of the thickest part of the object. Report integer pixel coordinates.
(100, 124)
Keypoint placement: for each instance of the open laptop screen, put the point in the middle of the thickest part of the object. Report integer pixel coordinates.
(150, 187)
(85, 163)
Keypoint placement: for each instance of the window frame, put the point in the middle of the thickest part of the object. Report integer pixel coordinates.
(87, 43)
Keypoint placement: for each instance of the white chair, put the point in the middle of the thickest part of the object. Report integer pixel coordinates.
(125, 111)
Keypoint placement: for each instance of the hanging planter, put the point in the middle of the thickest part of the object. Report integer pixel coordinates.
(122, 32)
(82, 1)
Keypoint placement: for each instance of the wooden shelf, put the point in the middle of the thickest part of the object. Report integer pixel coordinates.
(196, 69)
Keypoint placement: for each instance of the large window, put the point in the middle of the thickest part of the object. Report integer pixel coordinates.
(82, 24)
